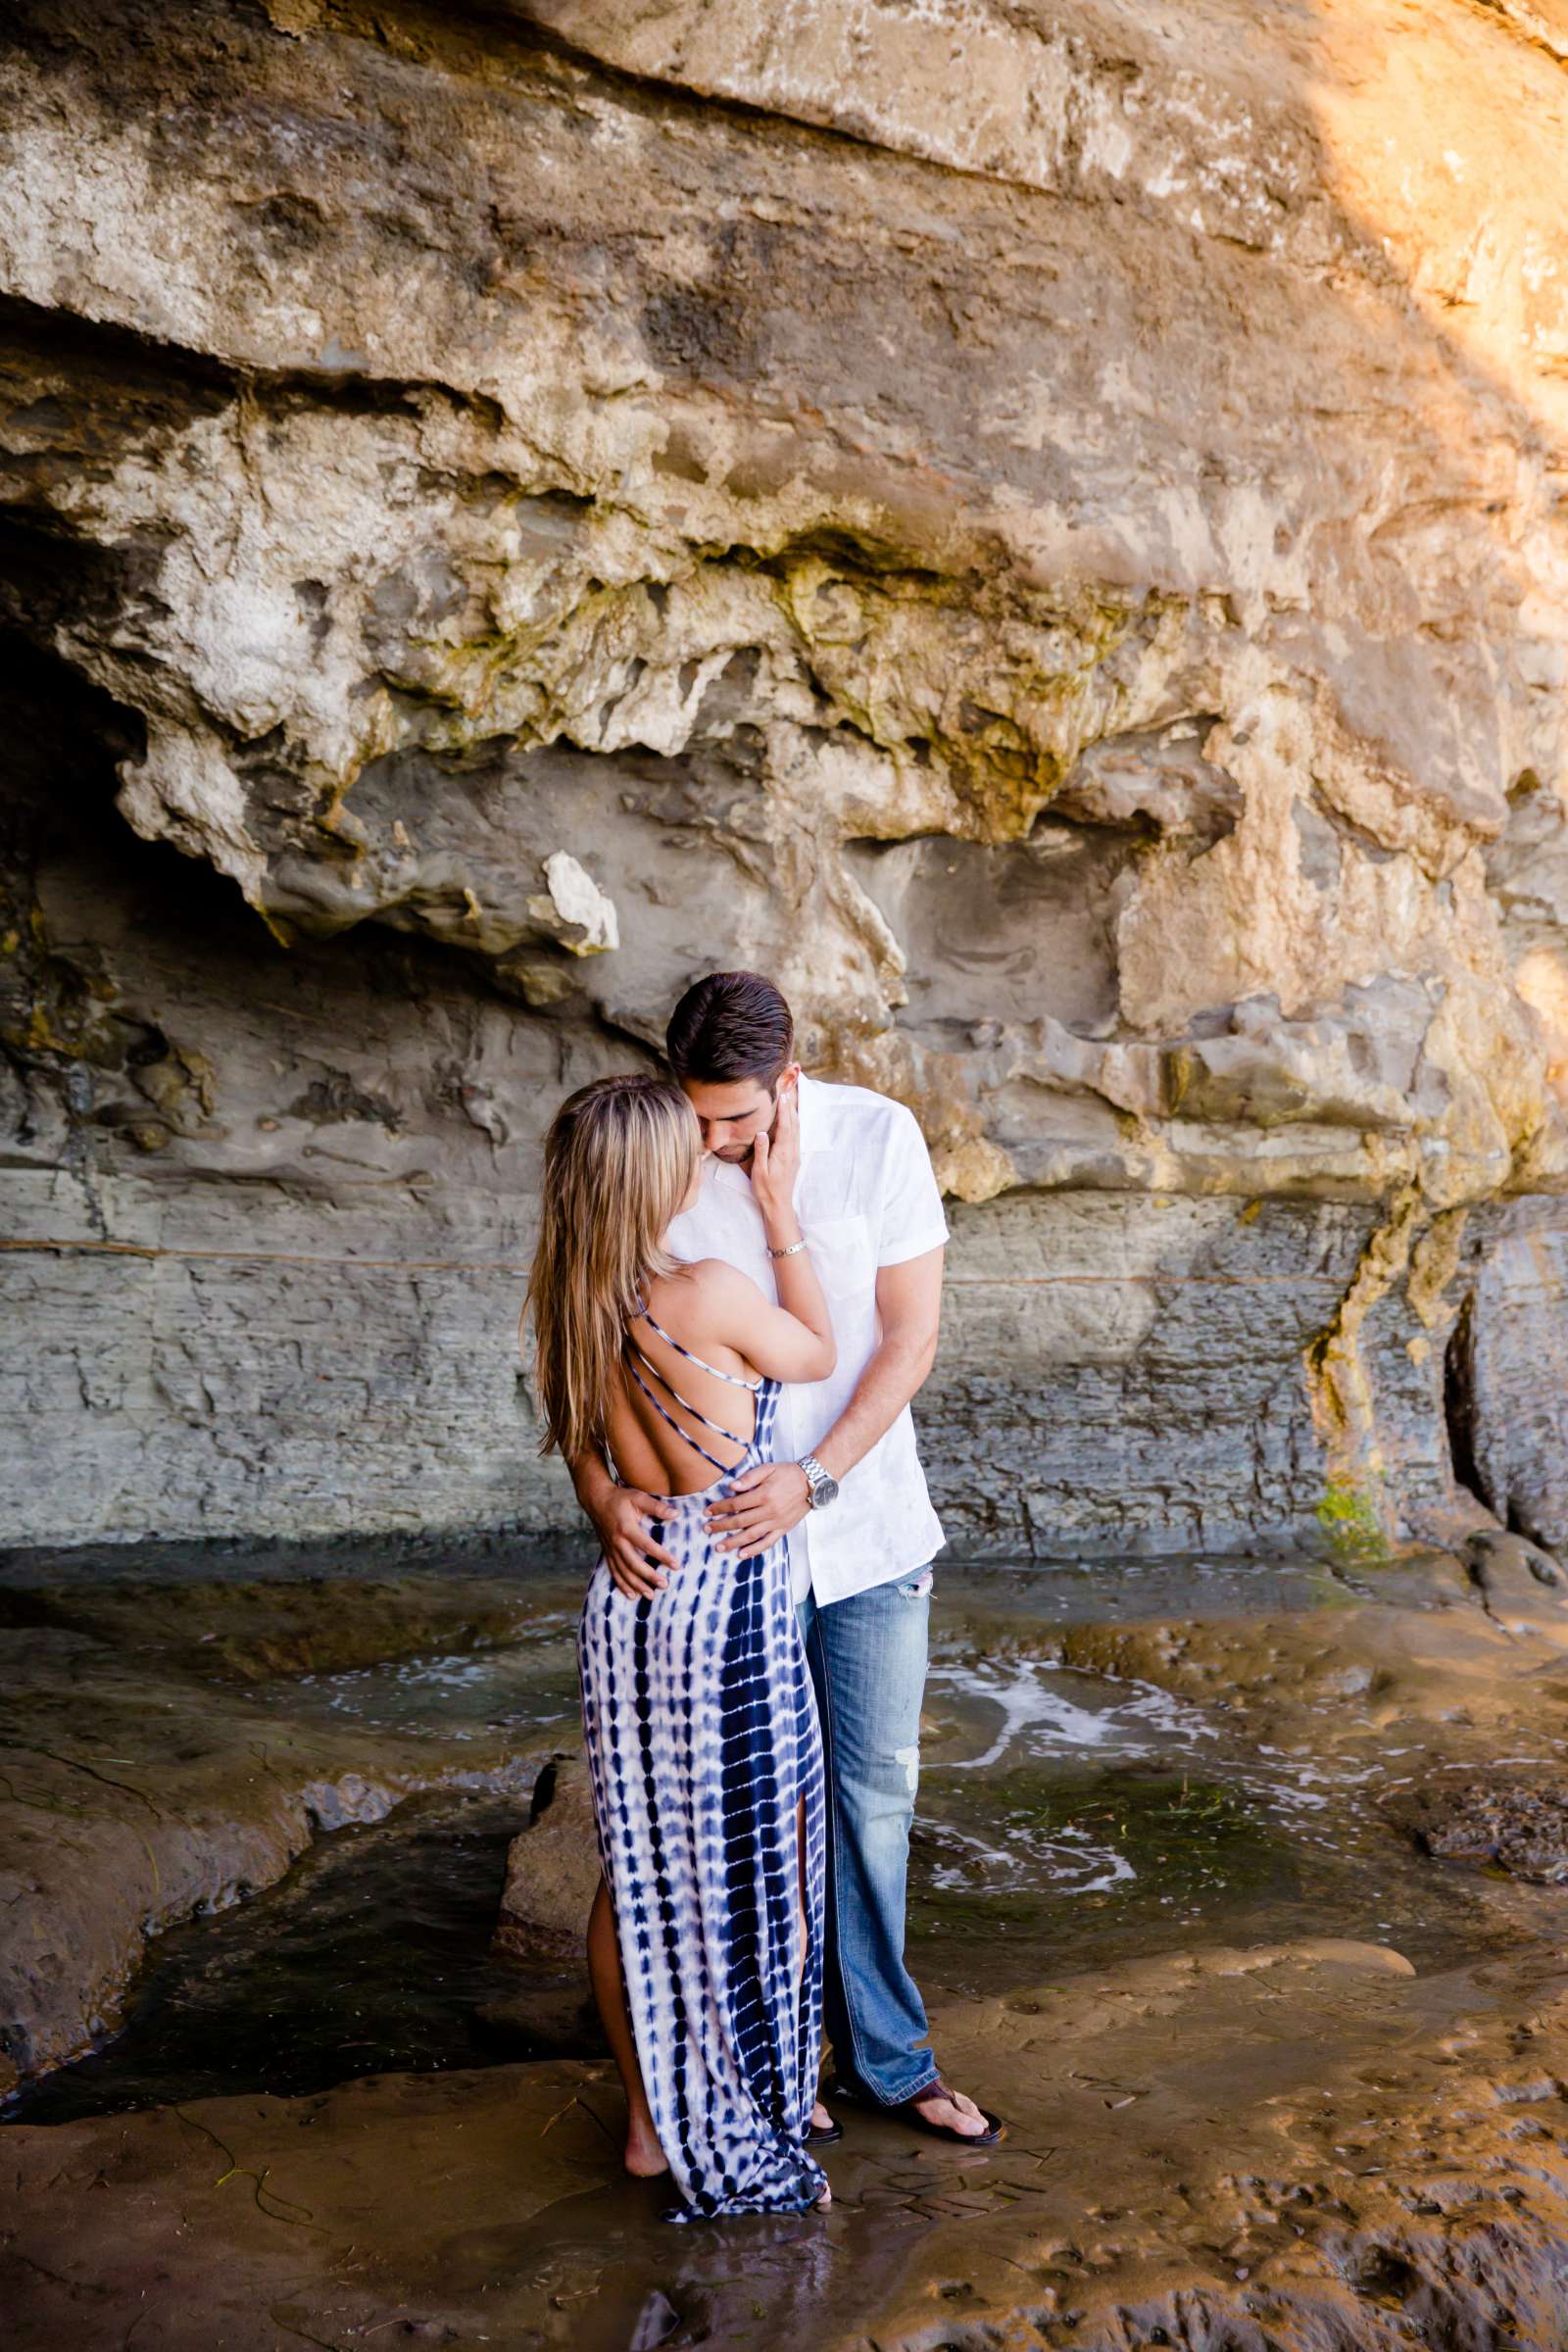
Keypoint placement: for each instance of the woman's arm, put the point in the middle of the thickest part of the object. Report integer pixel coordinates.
(794, 1339)
(778, 1339)
(775, 1165)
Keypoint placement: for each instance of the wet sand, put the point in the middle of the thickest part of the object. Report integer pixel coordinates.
(1274, 2075)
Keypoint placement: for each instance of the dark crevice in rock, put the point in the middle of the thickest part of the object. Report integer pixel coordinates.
(1459, 1403)
(52, 577)
(92, 350)
(140, 364)
(860, 550)
(63, 734)
(66, 738)
(57, 1017)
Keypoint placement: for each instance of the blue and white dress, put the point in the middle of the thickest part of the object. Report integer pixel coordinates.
(704, 1744)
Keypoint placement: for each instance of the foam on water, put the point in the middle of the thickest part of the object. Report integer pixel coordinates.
(1039, 1714)
(1068, 1861)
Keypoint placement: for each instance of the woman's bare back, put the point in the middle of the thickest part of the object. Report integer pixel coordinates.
(684, 1371)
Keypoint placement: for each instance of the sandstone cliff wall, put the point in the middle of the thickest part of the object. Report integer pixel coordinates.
(1041, 525)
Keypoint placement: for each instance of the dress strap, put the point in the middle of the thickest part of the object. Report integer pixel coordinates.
(734, 1378)
(685, 1435)
(718, 1428)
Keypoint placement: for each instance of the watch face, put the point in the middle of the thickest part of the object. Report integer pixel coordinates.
(824, 1491)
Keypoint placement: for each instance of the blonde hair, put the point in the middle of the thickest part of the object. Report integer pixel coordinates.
(618, 1158)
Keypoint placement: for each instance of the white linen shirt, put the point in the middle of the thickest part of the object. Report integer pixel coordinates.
(865, 1197)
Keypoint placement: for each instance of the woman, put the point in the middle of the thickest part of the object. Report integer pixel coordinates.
(704, 1943)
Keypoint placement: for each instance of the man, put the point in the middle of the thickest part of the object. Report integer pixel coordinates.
(847, 1491)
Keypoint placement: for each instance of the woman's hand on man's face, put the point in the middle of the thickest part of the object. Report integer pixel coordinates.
(776, 1158)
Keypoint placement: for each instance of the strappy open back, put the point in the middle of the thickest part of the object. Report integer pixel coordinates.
(758, 1388)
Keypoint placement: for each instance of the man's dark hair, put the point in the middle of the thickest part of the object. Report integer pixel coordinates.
(727, 1026)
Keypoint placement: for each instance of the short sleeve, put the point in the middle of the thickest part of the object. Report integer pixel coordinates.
(909, 1221)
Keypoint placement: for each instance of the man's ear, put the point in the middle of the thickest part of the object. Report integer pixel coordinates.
(789, 1077)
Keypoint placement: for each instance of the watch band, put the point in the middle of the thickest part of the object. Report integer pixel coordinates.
(823, 1485)
(788, 1252)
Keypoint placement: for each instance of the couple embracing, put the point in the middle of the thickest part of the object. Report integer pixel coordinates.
(735, 1296)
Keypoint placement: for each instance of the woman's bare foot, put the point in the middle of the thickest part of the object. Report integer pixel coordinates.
(645, 2158)
(824, 2200)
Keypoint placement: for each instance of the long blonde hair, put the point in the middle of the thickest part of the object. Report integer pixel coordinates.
(618, 1158)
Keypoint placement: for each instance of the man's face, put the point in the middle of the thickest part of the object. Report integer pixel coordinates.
(733, 1116)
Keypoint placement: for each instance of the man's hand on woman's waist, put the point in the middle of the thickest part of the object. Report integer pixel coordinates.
(763, 1505)
(620, 1517)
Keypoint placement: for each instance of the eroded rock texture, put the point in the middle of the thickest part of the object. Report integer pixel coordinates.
(1041, 526)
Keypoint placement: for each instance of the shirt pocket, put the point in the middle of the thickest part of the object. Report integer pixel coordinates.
(841, 1252)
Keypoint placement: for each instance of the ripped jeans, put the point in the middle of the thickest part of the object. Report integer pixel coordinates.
(868, 1658)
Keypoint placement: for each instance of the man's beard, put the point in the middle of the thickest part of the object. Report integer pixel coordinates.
(740, 1155)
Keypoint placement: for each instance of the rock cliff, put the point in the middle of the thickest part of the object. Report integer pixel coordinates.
(1042, 526)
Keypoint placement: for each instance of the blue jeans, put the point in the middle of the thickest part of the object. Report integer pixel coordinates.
(868, 1658)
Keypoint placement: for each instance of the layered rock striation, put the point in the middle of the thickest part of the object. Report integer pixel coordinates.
(1042, 528)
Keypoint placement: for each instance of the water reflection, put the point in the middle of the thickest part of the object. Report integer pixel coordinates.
(530, 1682)
(370, 1956)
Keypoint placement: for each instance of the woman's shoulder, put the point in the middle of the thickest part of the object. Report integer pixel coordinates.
(702, 1282)
(705, 1301)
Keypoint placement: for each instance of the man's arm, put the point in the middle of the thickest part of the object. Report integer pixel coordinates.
(770, 1500)
(908, 1305)
(621, 1516)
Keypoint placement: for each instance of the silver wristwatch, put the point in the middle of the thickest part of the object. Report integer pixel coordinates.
(824, 1487)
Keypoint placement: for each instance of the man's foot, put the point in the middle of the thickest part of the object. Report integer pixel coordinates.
(645, 2158)
(947, 2113)
(822, 2121)
(950, 2111)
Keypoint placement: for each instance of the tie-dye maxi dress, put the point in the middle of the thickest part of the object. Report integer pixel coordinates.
(704, 1744)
